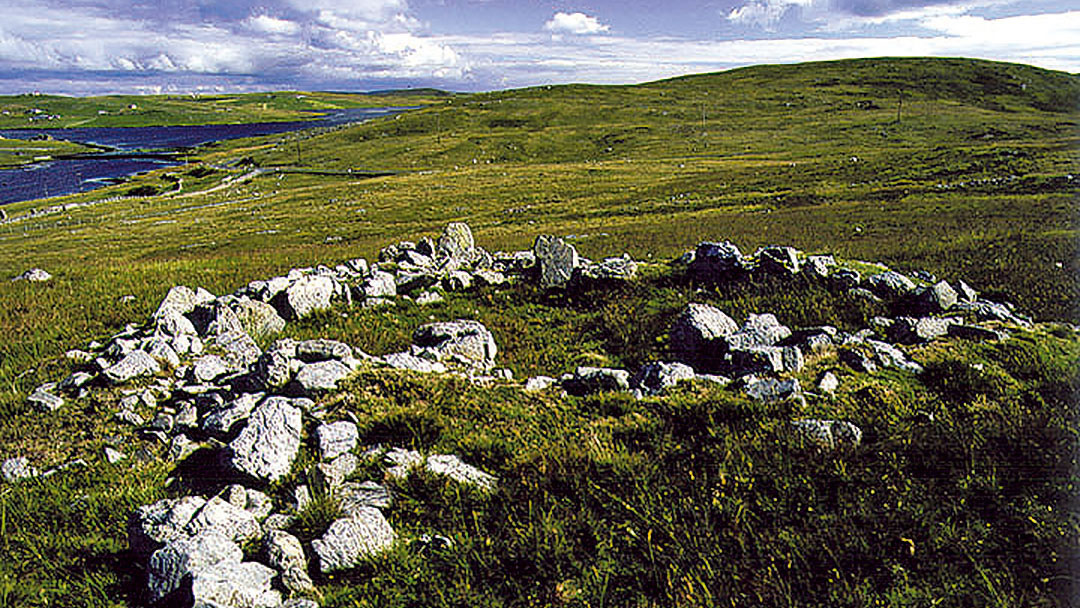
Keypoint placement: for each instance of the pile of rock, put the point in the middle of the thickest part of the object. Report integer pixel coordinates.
(202, 381)
(917, 295)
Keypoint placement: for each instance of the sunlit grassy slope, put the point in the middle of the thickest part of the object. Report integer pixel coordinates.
(960, 497)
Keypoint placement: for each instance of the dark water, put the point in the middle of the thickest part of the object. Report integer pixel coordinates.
(58, 177)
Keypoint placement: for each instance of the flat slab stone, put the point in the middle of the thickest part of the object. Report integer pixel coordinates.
(350, 540)
(134, 364)
(321, 377)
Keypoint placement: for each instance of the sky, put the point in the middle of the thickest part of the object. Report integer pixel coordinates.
(86, 47)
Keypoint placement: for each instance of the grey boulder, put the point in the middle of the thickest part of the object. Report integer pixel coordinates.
(268, 444)
(589, 380)
(336, 438)
(304, 296)
(695, 335)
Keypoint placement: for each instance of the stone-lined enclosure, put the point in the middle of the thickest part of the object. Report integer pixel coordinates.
(197, 366)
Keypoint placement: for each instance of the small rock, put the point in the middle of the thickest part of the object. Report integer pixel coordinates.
(655, 378)
(717, 262)
(151, 526)
(828, 383)
(451, 466)
(378, 285)
(429, 297)
(14, 469)
(890, 285)
(771, 389)
(321, 377)
(209, 368)
(831, 434)
(695, 333)
(113, 455)
(217, 514)
(329, 475)
(462, 342)
(258, 319)
(336, 439)
(908, 330)
(285, 554)
(778, 260)
(78, 356)
(605, 272)
(304, 296)
(34, 275)
(456, 243)
(182, 557)
(221, 420)
(411, 362)
(227, 584)
(314, 351)
(238, 349)
(539, 383)
(589, 380)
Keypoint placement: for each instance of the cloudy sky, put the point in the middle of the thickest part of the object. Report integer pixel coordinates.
(105, 46)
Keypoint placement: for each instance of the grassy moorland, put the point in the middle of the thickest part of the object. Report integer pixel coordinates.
(962, 495)
(55, 111)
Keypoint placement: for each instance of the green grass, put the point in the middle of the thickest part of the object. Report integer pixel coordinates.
(963, 494)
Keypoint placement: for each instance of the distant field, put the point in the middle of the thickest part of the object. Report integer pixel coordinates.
(51, 111)
(16, 152)
(966, 169)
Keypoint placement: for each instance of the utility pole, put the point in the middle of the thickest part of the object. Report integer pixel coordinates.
(899, 104)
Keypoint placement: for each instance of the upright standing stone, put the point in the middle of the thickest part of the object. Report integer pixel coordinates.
(557, 260)
(456, 242)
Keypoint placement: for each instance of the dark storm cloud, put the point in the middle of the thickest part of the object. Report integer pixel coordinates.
(877, 8)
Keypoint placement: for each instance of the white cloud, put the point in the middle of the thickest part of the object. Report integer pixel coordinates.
(272, 25)
(575, 23)
(370, 10)
(765, 13)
